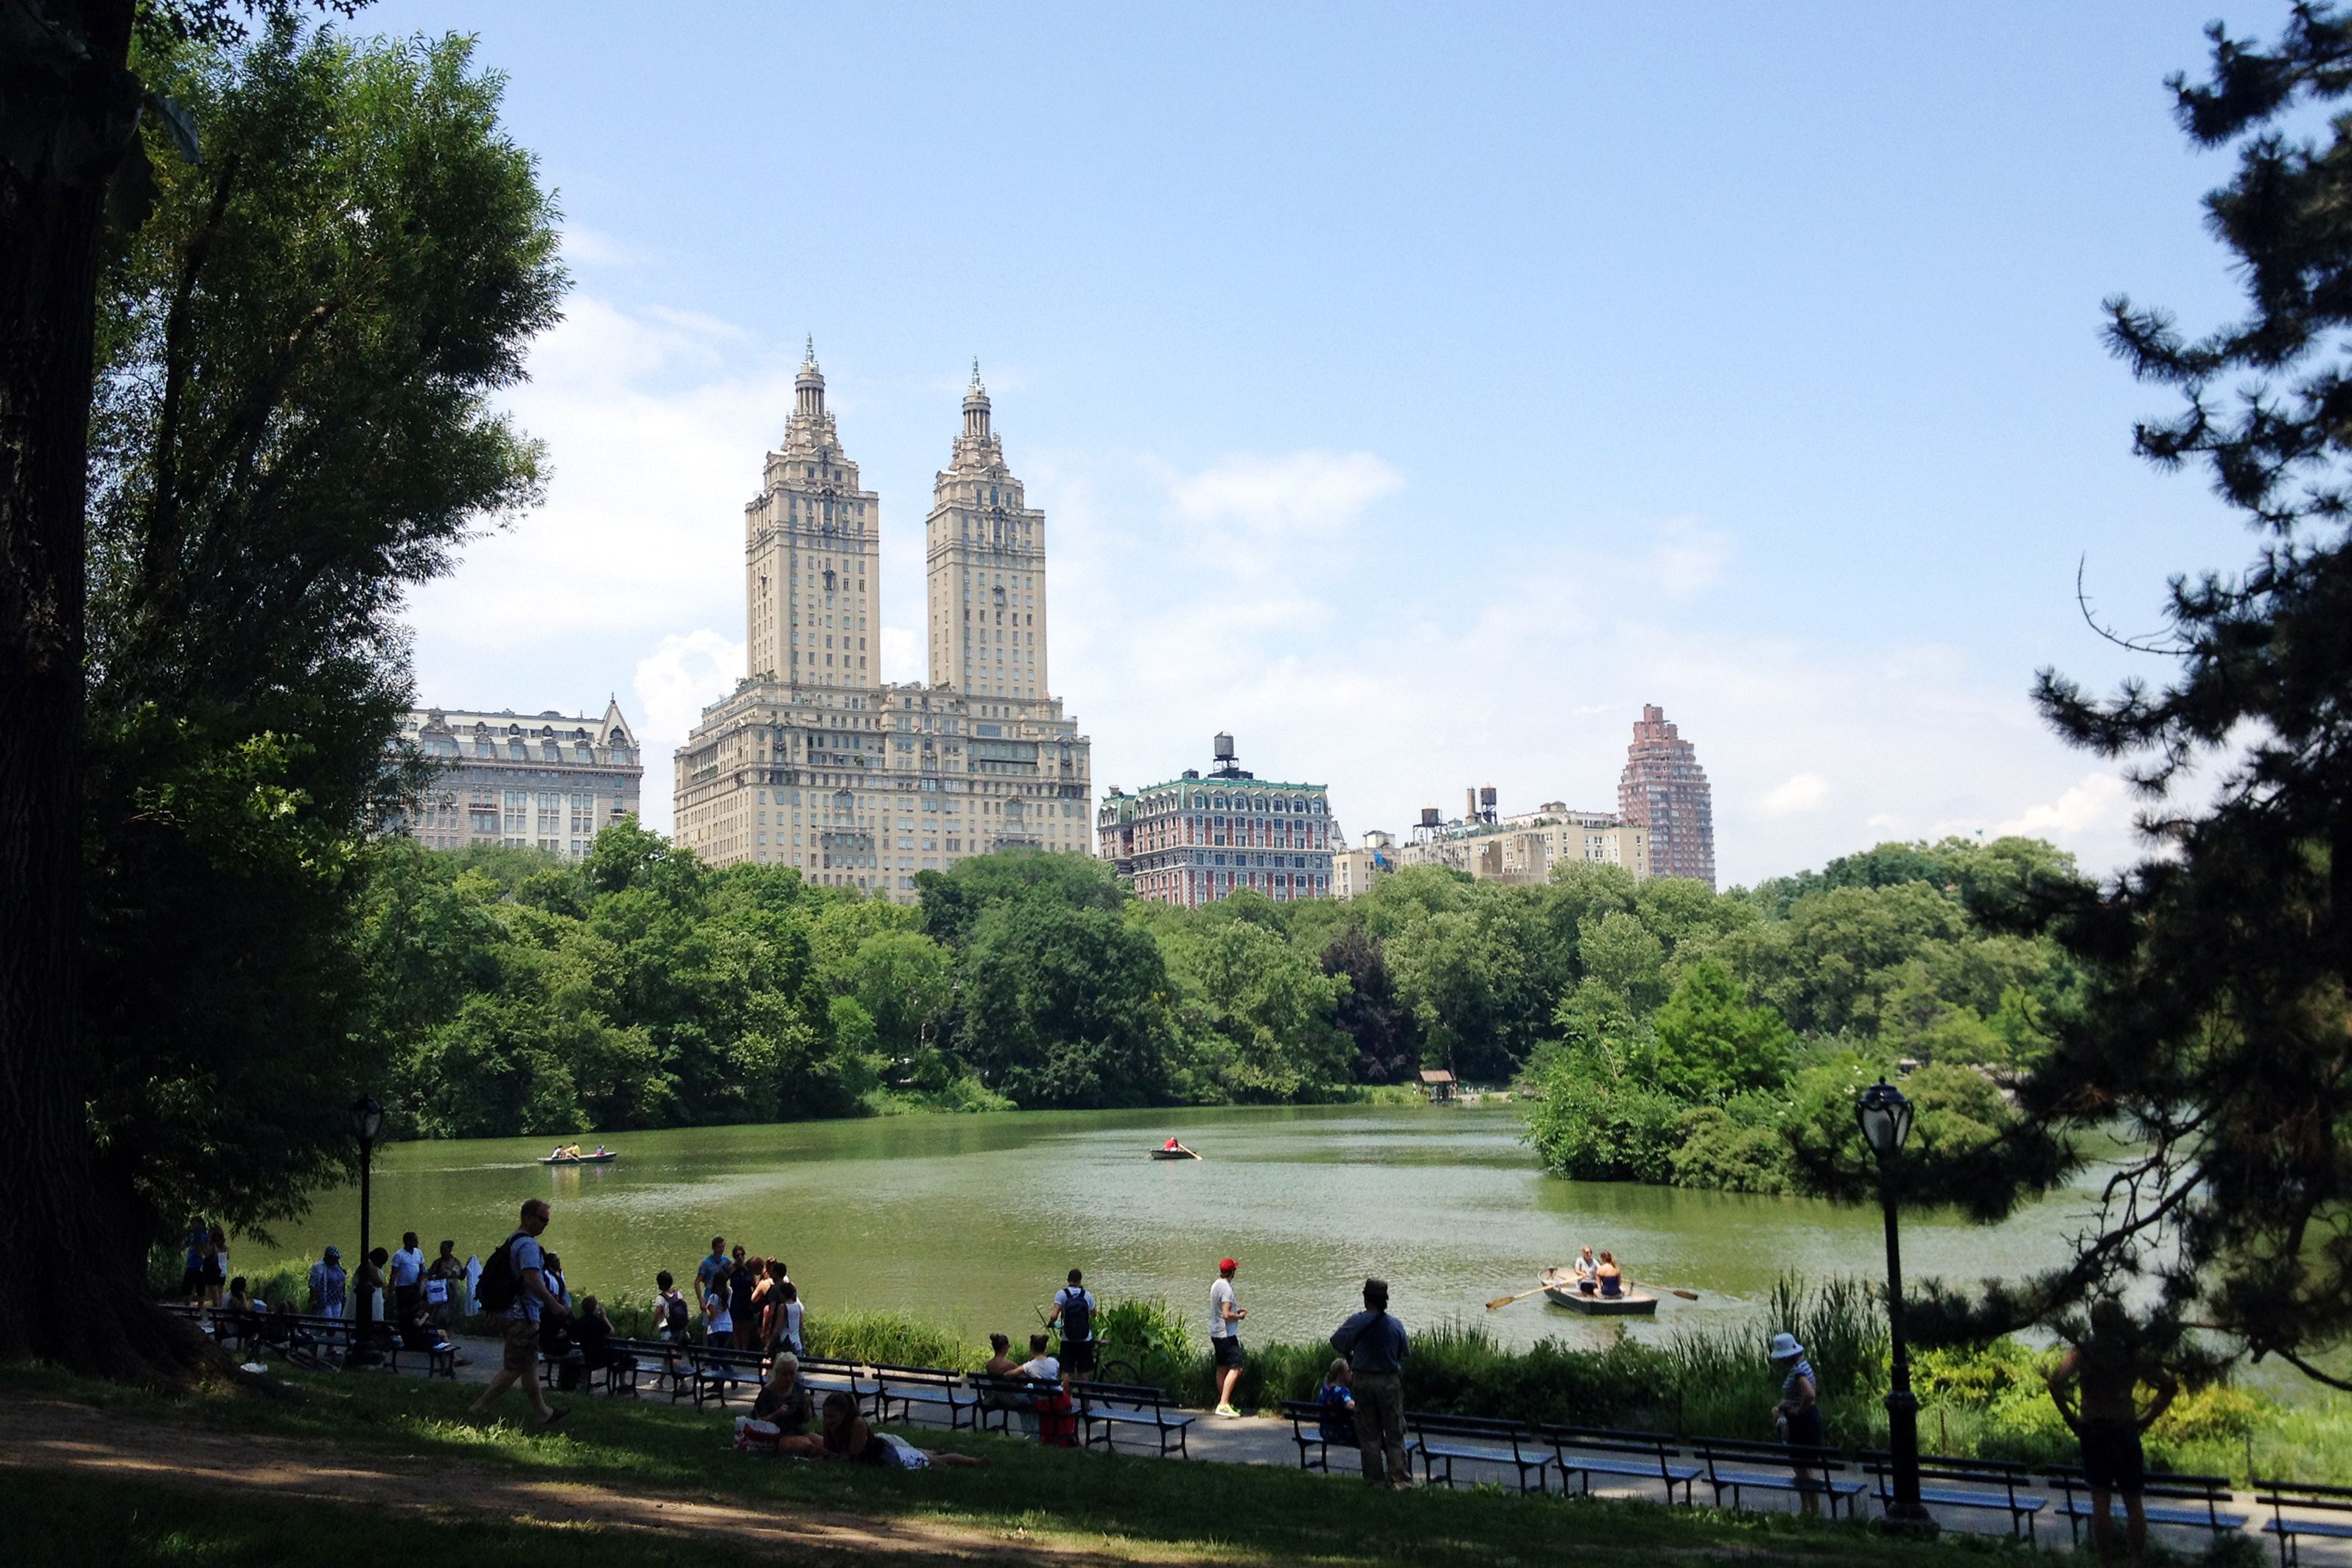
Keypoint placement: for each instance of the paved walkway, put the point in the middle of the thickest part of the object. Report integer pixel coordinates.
(1255, 1440)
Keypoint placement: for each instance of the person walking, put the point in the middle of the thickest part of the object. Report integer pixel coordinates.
(529, 1301)
(1375, 1345)
(1073, 1310)
(1224, 1336)
(1798, 1414)
(407, 1268)
(2095, 1386)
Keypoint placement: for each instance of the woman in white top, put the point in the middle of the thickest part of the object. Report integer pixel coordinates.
(717, 1323)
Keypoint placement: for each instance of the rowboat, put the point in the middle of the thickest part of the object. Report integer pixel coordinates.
(1178, 1152)
(1559, 1286)
(606, 1158)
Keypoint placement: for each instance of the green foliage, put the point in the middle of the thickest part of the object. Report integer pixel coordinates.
(1711, 1044)
(1594, 1127)
(291, 426)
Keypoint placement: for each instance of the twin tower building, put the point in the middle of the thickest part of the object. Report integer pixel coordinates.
(814, 760)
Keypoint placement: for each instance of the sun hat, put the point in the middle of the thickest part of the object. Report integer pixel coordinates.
(1785, 1347)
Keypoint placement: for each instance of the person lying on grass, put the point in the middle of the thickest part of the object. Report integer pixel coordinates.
(847, 1436)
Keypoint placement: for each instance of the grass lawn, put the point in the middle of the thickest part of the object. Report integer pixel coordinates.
(1030, 1501)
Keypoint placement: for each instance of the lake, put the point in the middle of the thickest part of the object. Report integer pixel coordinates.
(973, 1220)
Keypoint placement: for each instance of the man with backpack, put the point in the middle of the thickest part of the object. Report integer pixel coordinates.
(514, 1287)
(1074, 1308)
(1375, 1345)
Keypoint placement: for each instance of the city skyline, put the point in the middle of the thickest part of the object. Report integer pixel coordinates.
(1413, 502)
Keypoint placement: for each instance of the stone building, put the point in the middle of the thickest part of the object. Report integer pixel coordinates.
(1664, 790)
(544, 780)
(1195, 840)
(815, 763)
(1525, 849)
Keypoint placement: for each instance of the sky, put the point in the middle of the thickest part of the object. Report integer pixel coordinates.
(1413, 392)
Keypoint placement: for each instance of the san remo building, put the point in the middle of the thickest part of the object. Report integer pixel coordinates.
(813, 762)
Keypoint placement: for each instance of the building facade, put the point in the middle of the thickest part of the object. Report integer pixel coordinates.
(1194, 841)
(1666, 791)
(544, 781)
(813, 762)
(1524, 850)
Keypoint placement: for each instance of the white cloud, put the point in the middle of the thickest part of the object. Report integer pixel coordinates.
(2098, 802)
(1798, 793)
(1690, 557)
(1317, 494)
(674, 683)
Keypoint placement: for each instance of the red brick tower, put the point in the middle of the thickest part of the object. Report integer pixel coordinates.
(1664, 790)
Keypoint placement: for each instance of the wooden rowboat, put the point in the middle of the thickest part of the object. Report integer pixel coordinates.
(1559, 1286)
(606, 1158)
(1178, 1152)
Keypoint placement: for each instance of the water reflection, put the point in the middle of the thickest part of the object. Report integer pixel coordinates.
(974, 1219)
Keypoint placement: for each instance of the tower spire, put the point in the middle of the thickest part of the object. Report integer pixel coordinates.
(975, 374)
(808, 355)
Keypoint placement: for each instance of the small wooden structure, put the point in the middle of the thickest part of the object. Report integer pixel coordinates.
(1437, 1084)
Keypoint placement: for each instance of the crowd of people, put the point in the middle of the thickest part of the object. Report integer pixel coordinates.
(745, 1302)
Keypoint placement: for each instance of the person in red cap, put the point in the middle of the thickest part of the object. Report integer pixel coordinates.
(1224, 1335)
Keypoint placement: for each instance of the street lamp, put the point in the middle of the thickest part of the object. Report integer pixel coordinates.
(367, 1118)
(1886, 1118)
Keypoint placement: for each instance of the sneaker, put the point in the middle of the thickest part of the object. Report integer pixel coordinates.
(1227, 1410)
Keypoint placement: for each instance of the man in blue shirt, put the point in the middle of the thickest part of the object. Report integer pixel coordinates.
(532, 1300)
(1375, 1346)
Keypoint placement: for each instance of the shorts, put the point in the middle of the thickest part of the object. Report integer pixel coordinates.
(1077, 1357)
(1228, 1348)
(522, 1347)
(192, 1280)
(2112, 1460)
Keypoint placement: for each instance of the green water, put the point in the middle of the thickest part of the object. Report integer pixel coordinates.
(973, 1220)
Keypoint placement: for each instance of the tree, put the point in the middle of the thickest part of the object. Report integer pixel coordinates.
(1066, 1005)
(2215, 1022)
(1712, 1044)
(1269, 1005)
(1369, 1012)
(288, 429)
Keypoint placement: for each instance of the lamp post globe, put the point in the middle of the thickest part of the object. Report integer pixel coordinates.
(1884, 1116)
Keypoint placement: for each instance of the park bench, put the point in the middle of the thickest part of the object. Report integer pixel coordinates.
(1588, 1451)
(2280, 1496)
(1949, 1481)
(822, 1376)
(2194, 1502)
(1305, 1417)
(1742, 1467)
(1111, 1405)
(1478, 1440)
(633, 1360)
(716, 1372)
(1005, 1397)
(934, 1388)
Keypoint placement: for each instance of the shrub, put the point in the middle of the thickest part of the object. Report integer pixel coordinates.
(1598, 1129)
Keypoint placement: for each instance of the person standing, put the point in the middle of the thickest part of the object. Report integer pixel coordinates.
(531, 1302)
(1224, 1335)
(2095, 1386)
(1375, 1345)
(408, 1281)
(326, 1280)
(717, 1322)
(215, 1264)
(671, 1317)
(1073, 1310)
(1799, 1414)
(711, 1268)
(442, 1278)
(367, 1340)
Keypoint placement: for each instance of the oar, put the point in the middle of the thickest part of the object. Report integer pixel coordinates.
(1506, 1301)
(1685, 1295)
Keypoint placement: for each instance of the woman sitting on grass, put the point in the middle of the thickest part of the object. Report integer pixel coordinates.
(848, 1436)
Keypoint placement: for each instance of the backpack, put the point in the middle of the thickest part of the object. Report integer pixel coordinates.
(1078, 1317)
(674, 1314)
(499, 1284)
(1057, 1419)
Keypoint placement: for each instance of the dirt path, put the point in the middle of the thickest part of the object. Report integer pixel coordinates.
(54, 1436)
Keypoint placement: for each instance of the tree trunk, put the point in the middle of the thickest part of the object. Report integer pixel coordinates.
(71, 108)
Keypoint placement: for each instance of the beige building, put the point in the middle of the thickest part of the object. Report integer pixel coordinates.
(541, 781)
(814, 762)
(1522, 849)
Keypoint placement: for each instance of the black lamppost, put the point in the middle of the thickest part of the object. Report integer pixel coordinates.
(367, 1118)
(1885, 1118)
